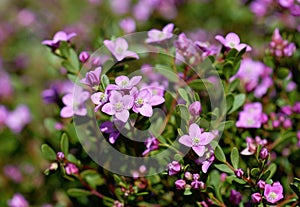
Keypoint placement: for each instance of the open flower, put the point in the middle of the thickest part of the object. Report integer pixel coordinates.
(155, 35)
(58, 37)
(74, 104)
(119, 48)
(92, 78)
(108, 127)
(196, 139)
(274, 192)
(232, 40)
(124, 83)
(143, 102)
(118, 105)
(99, 99)
(17, 119)
(251, 116)
(18, 200)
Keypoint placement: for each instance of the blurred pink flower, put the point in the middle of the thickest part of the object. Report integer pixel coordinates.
(18, 118)
(18, 200)
(119, 49)
(127, 25)
(155, 35)
(58, 37)
(232, 40)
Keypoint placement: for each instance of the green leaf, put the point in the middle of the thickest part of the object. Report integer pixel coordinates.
(223, 168)
(64, 144)
(282, 73)
(233, 85)
(48, 152)
(182, 92)
(187, 191)
(238, 102)
(234, 157)
(219, 154)
(226, 125)
(167, 72)
(272, 168)
(199, 85)
(64, 49)
(232, 53)
(295, 188)
(77, 192)
(255, 172)
(74, 60)
(229, 102)
(183, 111)
(104, 81)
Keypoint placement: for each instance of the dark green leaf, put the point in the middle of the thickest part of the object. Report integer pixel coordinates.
(64, 144)
(167, 72)
(200, 84)
(296, 189)
(182, 92)
(48, 152)
(238, 102)
(234, 156)
(229, 102)
(282, 73)
(223, 168)
(255, 172)
(77, 192)
(183, 111)
(74, 60)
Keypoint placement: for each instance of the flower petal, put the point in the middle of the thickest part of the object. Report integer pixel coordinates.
(123, 115)
(96, 98)
(156, 100)
(127, 101)
(135, 80)
(115, 97)
(122, 81)
(146, 110)
(66, 112)
(199, 150)
(68, 99)
(186, 140)
(108, 109)
(206, 138)
(232, 38)
(194, 130)
(221, 39)
(122, 43)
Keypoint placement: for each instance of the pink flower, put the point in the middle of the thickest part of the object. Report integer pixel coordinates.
(74, 104)
(155, 35)
(274, 192)
(251, 116)
(84, 56)
(180, 184)
(196, 139)
(17, 119)
(256, 198)
(119, 49)
(99, 99)
(232, 40)
(18, 200)
(118, 105)
(127, 25)
(286, 3)
(151, 143)
(124, 83)
(58, 37)
(144, 100)
(252, 145)
(280, 47)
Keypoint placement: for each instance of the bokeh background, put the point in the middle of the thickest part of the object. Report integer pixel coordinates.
(27, 67)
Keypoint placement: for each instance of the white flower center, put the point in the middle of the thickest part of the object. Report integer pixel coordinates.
(139, 102)
(272, 196)
(195, 141)
(124, 83)
(103, 97)
(119, 106)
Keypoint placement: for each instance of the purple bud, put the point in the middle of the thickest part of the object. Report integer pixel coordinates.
(276, 123)
(256, 197)
(239, 173)
(71, 169)
(264, 153)
(264, 118)
(180, 184)
(287, 123)
(196, 184)
(296, 107)
(235, 197)
(195, 108)
(188, 175)
(196, 176)
(84, 56)
(261, 184)
(287, 110)
(174, 167)
(60, 156)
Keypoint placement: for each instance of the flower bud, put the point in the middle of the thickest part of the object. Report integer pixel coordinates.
(188, 175)
(239, 173)
(195, 108)
(180, 184)
(264, 153)
(196, 176)
(256, 197)
(174, 167)
(71, 169)
(261, 184)
(84, 56)
(60, 156)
